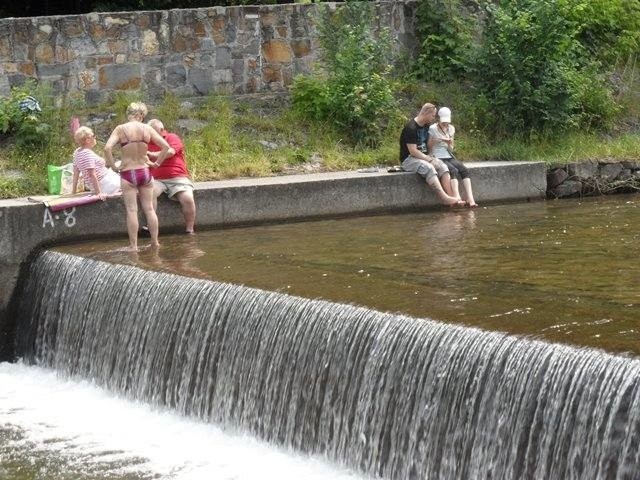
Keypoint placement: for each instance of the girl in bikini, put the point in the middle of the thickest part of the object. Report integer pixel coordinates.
(135, 179)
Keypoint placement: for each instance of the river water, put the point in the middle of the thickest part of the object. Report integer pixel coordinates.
(53, 428)
(563, 271)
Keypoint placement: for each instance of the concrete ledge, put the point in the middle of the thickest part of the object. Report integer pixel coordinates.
(27, 226)
(345, 193)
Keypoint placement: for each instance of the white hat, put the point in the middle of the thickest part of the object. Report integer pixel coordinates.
(444, 114)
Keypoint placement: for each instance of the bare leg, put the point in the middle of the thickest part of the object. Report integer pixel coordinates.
(445, 180)
(147, 198)
(188, 205)
(157, 191)
(434, 183)
(466, 184)
(455, 192)
(130, 195)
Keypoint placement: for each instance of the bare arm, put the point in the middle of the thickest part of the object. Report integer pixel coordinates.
(108, 147)
(162, 143)
(90, 174)
(76, 174)
(414, 152)
(431, 142)
(154, 155)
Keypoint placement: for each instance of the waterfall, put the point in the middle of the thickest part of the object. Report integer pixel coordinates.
(389, 395)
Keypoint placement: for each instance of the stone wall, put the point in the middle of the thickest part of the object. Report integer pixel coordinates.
(244, 49)
(593, 178)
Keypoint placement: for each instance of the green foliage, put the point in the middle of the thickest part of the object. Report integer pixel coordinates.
(533, 73)
(10, 114)
(17, 187)
(310, 97)
(537, 67)
(119, 102)
(570, 147)
(445, 30)
(353, 19)
(595, 106)
(355, 93)
(218, 112)
(229, 145)
(168, 111)
(608, 29)
(25, 128)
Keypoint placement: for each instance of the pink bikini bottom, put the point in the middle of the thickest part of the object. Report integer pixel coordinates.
(136, 177)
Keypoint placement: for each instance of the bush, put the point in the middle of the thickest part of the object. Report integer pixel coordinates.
(535, 75)
(22, 118)
(537, 67)
(608, 29)
(309, 97)
(355, 91)
(445, 31)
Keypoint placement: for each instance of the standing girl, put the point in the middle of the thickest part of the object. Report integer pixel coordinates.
(133, 137)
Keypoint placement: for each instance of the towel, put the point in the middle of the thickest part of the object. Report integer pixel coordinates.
(57, 203)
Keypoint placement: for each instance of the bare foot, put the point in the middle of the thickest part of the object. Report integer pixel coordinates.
(447, 200)
(472, 204)
(458, 203)
(190, 232)
(155, 245)
(131, 248)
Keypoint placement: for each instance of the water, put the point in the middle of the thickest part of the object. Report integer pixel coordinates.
(563, 271)
(54, 428)
(384, 394)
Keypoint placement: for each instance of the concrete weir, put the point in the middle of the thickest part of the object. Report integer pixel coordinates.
(27, 226)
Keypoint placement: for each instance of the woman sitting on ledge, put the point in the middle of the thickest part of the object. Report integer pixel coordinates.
(441, 144)
(133, 138)
(102, 181)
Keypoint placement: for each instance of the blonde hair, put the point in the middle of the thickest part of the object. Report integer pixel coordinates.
(81, 134)
(156, 125)
(426, 108)
(137, 108)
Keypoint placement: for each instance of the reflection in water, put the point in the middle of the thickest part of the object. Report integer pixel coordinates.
(180, 257)
(561, 270)
(449, 226)
(443, 236)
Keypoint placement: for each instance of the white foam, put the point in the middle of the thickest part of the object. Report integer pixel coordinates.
(83, 421)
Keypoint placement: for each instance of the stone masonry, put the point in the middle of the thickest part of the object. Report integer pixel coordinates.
(243, 49)
(593, 178)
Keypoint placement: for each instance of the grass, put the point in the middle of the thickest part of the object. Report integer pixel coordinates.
(571, 147)
(230, 141)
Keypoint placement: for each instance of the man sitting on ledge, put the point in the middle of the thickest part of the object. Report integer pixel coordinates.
(172, 176)
(413, 156)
